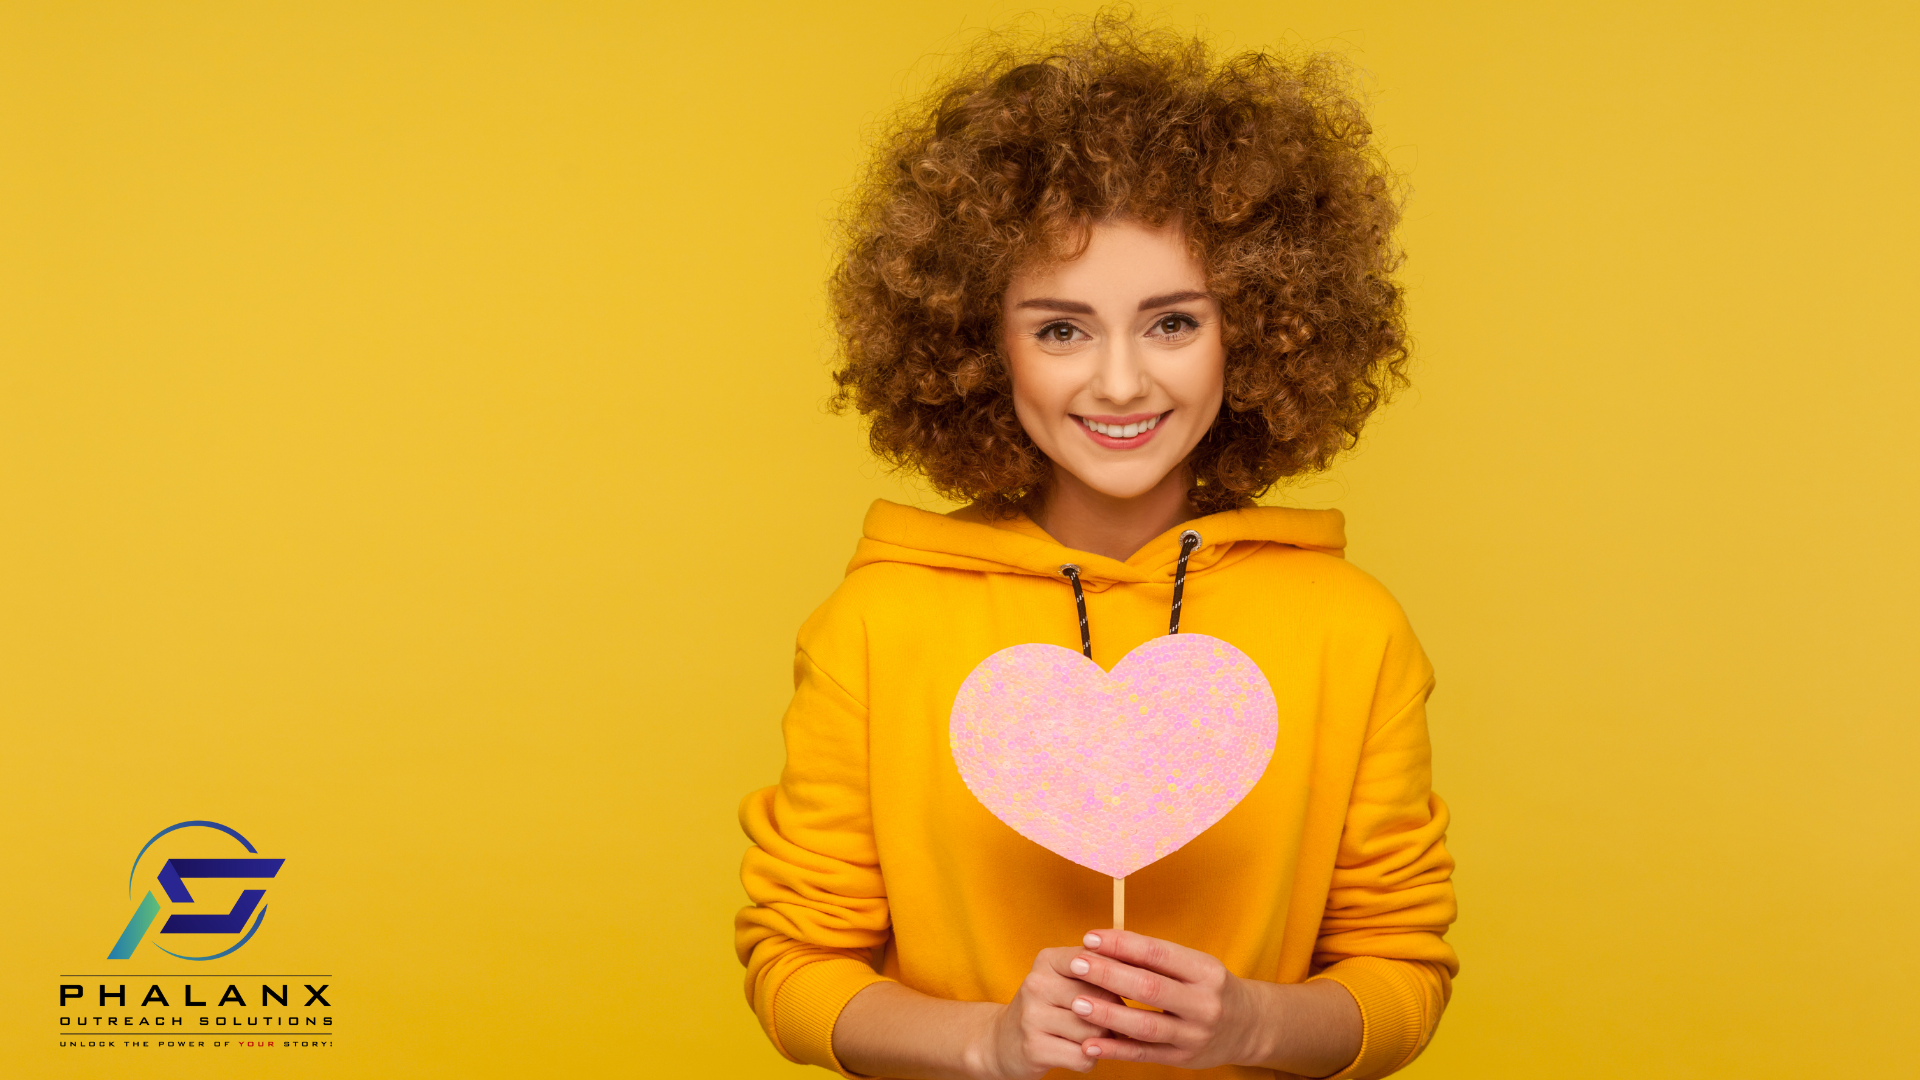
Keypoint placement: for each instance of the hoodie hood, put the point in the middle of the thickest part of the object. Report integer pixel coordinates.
(969, 540)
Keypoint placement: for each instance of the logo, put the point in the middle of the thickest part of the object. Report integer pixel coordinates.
(173, 877)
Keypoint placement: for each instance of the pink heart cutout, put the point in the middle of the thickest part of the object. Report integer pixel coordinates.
(1114, 771)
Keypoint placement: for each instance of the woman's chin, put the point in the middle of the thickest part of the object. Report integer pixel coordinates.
(1124, 483)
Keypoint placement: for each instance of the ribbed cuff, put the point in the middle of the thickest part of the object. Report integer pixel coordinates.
(1391, 1014)
(809, 1002)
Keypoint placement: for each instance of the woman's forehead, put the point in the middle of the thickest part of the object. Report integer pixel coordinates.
(1119, 259)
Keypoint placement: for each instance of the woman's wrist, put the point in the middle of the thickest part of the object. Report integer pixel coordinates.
(976, 1054)
(890, 1030)
(1259, 1034)
(1309, 1029)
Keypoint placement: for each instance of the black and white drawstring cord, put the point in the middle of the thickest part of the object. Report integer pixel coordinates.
(1072, 573)
(1189, 540)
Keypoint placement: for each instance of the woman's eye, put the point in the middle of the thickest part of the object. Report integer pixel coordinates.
(1060, 333)
(1172, 325)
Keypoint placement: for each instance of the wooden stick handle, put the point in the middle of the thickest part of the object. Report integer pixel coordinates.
(1119, 903)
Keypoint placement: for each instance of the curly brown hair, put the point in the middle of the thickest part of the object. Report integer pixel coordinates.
(1263, 160)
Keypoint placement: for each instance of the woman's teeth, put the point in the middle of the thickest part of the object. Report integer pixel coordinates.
(1120, 431)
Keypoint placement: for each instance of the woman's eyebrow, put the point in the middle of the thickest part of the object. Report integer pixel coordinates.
(1171, 298)
(1049, 304)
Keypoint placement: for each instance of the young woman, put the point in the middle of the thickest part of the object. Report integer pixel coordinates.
(1107, 294)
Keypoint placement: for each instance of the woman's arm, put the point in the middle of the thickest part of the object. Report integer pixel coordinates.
(1068, 1015)
(1391, 900)
(1208, 1016)
(890, 1030)
(819, 902)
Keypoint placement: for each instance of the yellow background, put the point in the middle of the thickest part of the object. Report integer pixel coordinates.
(413, 455)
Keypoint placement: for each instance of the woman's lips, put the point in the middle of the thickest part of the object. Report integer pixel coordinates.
(1122, 432)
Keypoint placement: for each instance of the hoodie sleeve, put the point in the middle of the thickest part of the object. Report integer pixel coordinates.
(1391, 899)
(819, 906)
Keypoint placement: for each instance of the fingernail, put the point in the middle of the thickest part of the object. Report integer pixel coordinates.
(1080, 967)
(1092, 940)
(1092, 1050)
(1083, 1006)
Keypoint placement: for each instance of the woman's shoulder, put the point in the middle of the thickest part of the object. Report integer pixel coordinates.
(1326, 573)
(1328, 598)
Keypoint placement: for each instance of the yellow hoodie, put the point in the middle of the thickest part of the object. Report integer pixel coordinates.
(872, 860)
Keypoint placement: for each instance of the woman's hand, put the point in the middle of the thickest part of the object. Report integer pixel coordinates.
(1208, 1015)
(1068, 1014)
(1038, 1030)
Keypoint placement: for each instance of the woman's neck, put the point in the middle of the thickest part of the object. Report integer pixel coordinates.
(1087, 520)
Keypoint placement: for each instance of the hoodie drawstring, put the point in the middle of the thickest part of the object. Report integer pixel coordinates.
(1080, 601)
(1189, 540)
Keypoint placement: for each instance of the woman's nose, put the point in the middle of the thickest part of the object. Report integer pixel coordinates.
(1121, 376)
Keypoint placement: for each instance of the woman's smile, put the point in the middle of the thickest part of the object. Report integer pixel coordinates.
(1122, 432)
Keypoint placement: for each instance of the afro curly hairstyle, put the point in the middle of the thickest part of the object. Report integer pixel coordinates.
(1262, 160)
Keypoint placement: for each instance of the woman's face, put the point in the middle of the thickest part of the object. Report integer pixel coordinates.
(1116, 357)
